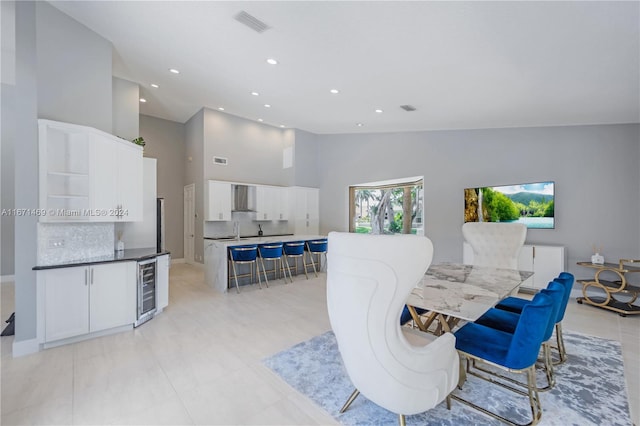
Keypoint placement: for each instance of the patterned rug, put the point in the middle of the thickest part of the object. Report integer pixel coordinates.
(590, 388)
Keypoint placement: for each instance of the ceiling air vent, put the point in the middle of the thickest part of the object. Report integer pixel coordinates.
(251, 21)
(408, 108)
(221, 161)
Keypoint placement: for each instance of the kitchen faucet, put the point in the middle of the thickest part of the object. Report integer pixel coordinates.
(236, 229)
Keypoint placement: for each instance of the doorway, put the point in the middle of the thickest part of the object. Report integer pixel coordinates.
(189, 223)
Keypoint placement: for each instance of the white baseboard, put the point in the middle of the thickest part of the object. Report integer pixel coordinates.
(25, 347)
(7, 278)
(181, 260)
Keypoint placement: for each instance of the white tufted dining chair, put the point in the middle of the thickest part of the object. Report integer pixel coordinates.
(369, 278)
(495, 244)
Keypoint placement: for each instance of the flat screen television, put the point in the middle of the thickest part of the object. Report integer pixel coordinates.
(528, 203)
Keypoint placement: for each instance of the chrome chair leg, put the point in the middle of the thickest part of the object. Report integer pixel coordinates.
(352, 398)
(401, 420)
(531, 393)
(235, 275)
(562, 353)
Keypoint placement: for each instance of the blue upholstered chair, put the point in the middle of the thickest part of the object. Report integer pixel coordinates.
(515, 304)
(507, 321)
(241, 255)
(294, 250)
(272, 252)
(514, 352)
(316, 248)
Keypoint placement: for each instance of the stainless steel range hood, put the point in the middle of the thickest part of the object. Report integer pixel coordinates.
(244, 198)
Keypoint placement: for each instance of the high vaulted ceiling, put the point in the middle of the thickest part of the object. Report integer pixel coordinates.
(460, 64)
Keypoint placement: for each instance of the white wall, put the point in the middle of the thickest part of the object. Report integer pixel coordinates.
(595, 169)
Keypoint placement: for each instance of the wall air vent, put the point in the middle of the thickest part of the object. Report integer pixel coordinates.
(221, 161)
(251, 21)
(408, 108)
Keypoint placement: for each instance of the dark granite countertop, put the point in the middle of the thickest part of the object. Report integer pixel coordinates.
(122, 256)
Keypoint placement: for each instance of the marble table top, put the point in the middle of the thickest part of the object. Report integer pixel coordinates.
(464, 291)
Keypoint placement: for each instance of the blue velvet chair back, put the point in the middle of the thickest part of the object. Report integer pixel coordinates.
(529, 333)
(270, 250)
(294, 248)
(555, 290)
(567, 280)
(246, 253)
(317, 246)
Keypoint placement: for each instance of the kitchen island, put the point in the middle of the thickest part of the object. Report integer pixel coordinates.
(216, 252)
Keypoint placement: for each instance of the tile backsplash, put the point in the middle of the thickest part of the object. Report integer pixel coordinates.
(63, 242)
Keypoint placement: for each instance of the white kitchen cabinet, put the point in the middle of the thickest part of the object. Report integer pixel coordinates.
(304, 210)
(218, 201)
(265, 202)
(162, 281)
(66, 302)
(88, 175)
(545, 261)
(86, 299)
(272, 203)
(116, 180)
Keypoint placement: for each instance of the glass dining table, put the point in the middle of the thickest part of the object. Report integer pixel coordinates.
(451, 292)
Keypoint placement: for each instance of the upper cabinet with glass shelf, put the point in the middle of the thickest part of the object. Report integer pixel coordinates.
(88, 175)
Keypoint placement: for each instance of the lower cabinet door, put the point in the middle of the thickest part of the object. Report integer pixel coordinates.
(112, 301)
(66, 303)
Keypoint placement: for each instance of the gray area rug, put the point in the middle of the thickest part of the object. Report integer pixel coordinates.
(590, 388)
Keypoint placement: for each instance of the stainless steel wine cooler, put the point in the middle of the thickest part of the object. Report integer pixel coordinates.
(146, 291)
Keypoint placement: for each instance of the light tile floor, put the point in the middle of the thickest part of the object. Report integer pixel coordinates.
(200, 361)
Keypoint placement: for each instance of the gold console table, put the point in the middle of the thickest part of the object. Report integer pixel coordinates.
(611, 291)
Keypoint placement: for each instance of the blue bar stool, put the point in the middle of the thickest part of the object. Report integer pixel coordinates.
(272, 252)
(294, 249)
(316, 248)
(243, 255)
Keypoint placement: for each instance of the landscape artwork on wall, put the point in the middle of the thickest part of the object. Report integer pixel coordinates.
(528, 203)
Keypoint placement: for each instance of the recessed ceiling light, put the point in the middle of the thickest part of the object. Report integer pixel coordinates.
(267, 106)
(155, 86)
(143, 100)
(255, 93)
(272, 61)
(282, 125)
(260, 120)
(334, 91)
(174, 71)
(379, 111)
(220, 109)
(359, 124)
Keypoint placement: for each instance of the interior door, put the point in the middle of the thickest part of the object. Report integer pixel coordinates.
(189, 222)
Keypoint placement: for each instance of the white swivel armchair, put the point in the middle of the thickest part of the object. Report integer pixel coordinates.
(495, 244)
(369, 278)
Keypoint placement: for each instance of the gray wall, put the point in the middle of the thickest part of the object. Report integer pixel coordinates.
(7, 184)
(254, 150)
(165, 141)
(595, 169)
(74, 71)
(306, 159)
(63, 72)
(193, 173)
(26, 166)
(125, 109)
